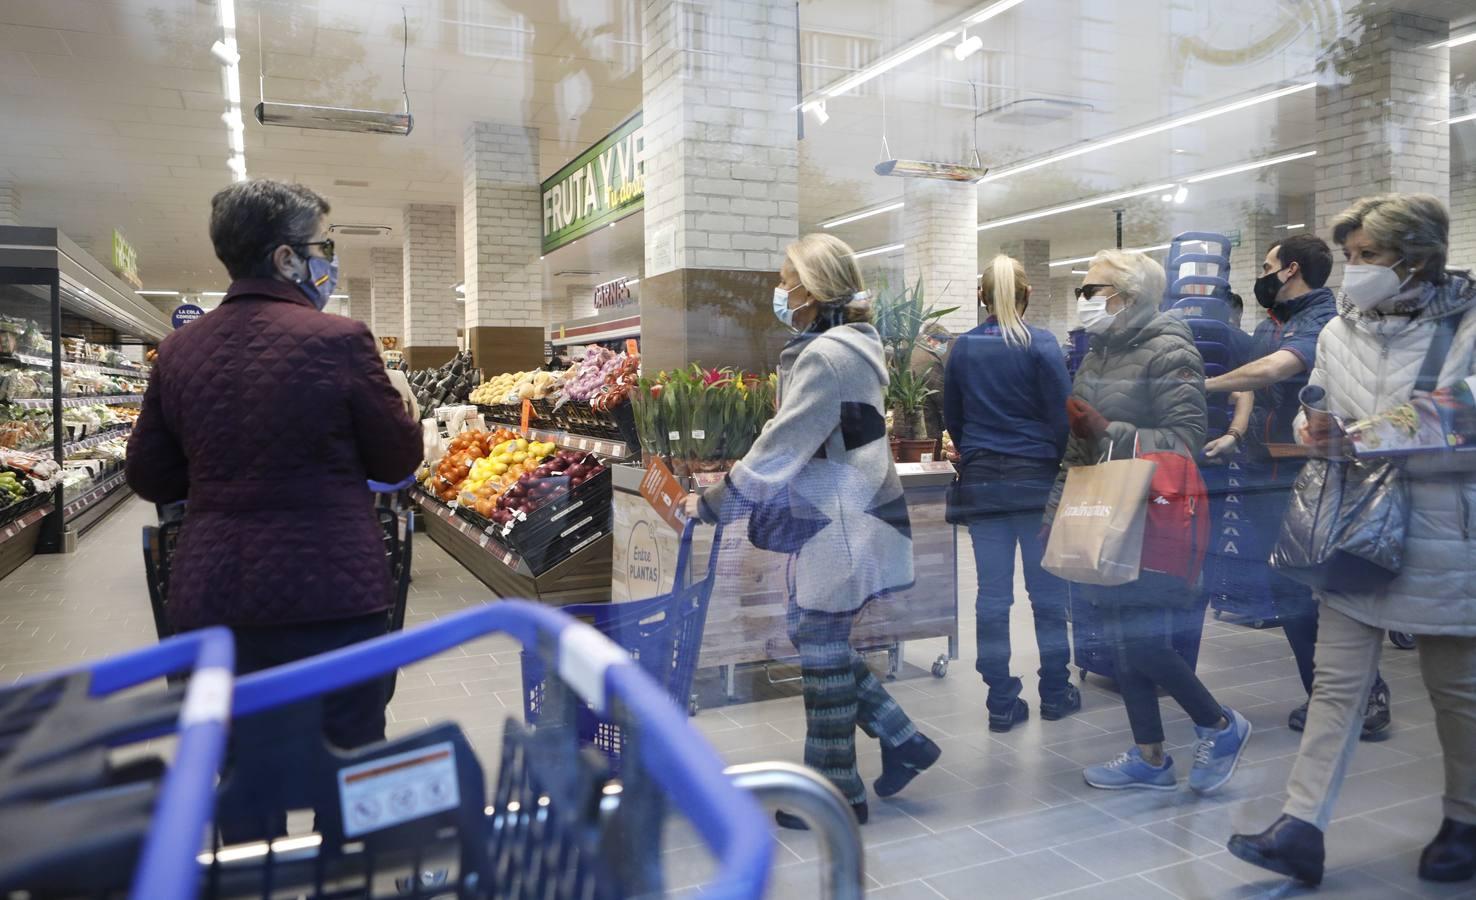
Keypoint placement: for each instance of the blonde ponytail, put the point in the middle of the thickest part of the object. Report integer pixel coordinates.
(1005, 290)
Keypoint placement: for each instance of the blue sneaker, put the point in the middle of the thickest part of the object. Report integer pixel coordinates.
(1131, 772)
(1217, 753)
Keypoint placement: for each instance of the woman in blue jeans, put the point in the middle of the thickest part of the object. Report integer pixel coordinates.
(1004, 403)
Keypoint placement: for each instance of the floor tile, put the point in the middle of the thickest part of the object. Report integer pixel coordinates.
(1039, 874)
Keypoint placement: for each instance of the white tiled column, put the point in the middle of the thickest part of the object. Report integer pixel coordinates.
(501, 234)
(387, 293)
(1258, 231)
(940, 233)
(1463, 220)
(1381, 123)
(9, 203)
(360, 305)
(432, 313)
(1046, 309)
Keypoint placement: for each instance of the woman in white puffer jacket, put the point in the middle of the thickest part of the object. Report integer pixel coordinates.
(1397, 294)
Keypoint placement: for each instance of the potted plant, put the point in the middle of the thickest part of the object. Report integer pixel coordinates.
(900, 317)
(701, 420)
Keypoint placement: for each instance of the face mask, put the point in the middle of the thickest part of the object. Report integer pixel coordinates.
(1368, 286)
(1094, 315)
(1267, 287)
(321, 280)
(782, 312)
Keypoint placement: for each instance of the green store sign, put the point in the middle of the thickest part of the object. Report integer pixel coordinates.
(125, 260)
(602, 185)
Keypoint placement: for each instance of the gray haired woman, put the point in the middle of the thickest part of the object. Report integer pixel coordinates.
(1397, 297)
(824, 462)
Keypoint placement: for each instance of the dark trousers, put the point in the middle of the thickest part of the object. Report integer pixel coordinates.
(1005, 497)
(349, 718)
(1142, 639)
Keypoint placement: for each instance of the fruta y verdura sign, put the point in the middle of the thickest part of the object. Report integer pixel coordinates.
(603, 184)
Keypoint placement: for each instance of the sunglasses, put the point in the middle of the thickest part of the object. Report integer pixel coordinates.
(1086, 291)
(326, 245)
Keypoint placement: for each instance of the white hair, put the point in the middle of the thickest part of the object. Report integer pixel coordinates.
(1137, 277)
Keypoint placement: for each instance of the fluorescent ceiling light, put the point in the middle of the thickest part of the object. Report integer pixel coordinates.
(1250, 166)
(237, 164)
(334, 118)
(212, 293)
(985, 15)
(968, 47)
(1290, 225)
(1102, 143)
(1460, 40)
(226, 53)
(863, 214)
(887, 63)
(876, 251)
(821, 115)
(1468, 117)
(1181, 195)
(1073, 207)
(1056, 263)
(158, 293)
(338, 296)
(1080, 271)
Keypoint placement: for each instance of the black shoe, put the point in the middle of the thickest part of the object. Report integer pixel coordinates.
(1452, 855)
(902, 764)
(1376, 717)
(1297, 721)
(1061, 705)
(1003, 721)
(794, 823)
(1289, 847)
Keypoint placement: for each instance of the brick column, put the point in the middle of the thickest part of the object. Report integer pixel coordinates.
(360, 301)
(1046, 310)
(501, 231)
(9, 204)
(387, 293)
(1257, 226)
(1463, 220)
(722, 201)
(1382, 123)
(432, 314)
(940, 234)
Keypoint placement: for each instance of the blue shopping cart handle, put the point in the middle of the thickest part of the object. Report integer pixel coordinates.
(380, 487)
(686, 767)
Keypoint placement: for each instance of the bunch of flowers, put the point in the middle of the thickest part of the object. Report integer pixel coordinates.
(701, 419)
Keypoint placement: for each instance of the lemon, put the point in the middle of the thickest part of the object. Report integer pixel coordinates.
(499, 468)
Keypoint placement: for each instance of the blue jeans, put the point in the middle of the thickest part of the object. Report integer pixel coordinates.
(1010, 496)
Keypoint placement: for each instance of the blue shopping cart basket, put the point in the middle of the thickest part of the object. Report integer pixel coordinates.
(662, 633)
(409, 817)
(74, 823)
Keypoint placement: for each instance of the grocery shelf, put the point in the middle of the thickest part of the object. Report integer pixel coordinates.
(71, 447)
(75, 402)
(44, 362)
(20, 516)
(19, 536)
(96, 500)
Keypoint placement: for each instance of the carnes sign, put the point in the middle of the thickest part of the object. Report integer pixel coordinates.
(603, 184)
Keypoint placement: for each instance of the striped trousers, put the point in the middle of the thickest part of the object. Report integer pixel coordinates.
(841, 693)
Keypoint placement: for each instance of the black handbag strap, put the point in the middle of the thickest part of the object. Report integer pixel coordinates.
(1440, 341)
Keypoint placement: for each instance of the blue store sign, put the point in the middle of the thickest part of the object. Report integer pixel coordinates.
(185, 313)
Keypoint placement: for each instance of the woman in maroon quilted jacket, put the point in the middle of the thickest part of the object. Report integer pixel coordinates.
(268, 416)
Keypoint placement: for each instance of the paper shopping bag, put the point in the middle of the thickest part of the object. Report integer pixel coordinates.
(1097, 536)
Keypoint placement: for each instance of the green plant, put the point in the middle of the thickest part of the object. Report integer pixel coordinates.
(698, 416)
(900, 317)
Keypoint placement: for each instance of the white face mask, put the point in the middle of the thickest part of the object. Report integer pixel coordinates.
(1367, 286)
(1094, 315)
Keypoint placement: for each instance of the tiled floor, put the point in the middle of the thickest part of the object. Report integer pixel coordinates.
(1002, 816)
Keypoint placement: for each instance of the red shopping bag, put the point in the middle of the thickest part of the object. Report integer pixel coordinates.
(1176, 529)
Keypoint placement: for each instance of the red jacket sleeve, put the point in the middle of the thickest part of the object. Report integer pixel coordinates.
(156, 464)
(388, 439)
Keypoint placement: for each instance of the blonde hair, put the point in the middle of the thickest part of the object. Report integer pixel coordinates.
(827, 269)
(1416, 226)
(1005, 290)
(1140, 277)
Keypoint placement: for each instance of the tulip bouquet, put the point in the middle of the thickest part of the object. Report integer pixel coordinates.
(702, 419)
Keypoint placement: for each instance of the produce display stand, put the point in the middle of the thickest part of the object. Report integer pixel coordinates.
(21, 530)
(746, 622)
(77, 316)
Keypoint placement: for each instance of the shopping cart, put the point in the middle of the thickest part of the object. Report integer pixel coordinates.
(408, 818)
(662, 633)
(396, 518)
(73, 822)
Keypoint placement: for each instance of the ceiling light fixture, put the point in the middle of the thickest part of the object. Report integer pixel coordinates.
(1458, 41)
(338, 118)
(158, 293)
(877, 251)
(863, 214)
(1177, 122)
(212, 293)
(228, 53)
(1057, 263)
(967, 47)
(1468, 117)
(1073, 207)
(821, 115)
(1181, 195)
(1080, 271)
(1250, 166)
(1292, 225)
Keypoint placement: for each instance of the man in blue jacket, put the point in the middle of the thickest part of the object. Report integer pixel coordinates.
(1298, 305)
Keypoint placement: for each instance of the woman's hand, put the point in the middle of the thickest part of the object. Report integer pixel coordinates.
(692, 507)
(1086, 423)
(1321, 433)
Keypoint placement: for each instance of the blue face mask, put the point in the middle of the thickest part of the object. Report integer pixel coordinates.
(782, 312)
(321, 281)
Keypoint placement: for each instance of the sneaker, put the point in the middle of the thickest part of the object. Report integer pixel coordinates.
(1217, 753)
(1297, 721)
(902, 764)
(1131, 772)
(1060, 705)
(1376, 715)
(861, 811)
(1000, 722)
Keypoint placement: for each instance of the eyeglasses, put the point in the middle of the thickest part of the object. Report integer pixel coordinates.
(326, 245)
(1086, 291)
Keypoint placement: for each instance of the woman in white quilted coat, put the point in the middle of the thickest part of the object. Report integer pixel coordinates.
(1397, 294)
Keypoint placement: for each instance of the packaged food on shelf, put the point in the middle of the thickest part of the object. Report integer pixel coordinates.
(24, 429)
